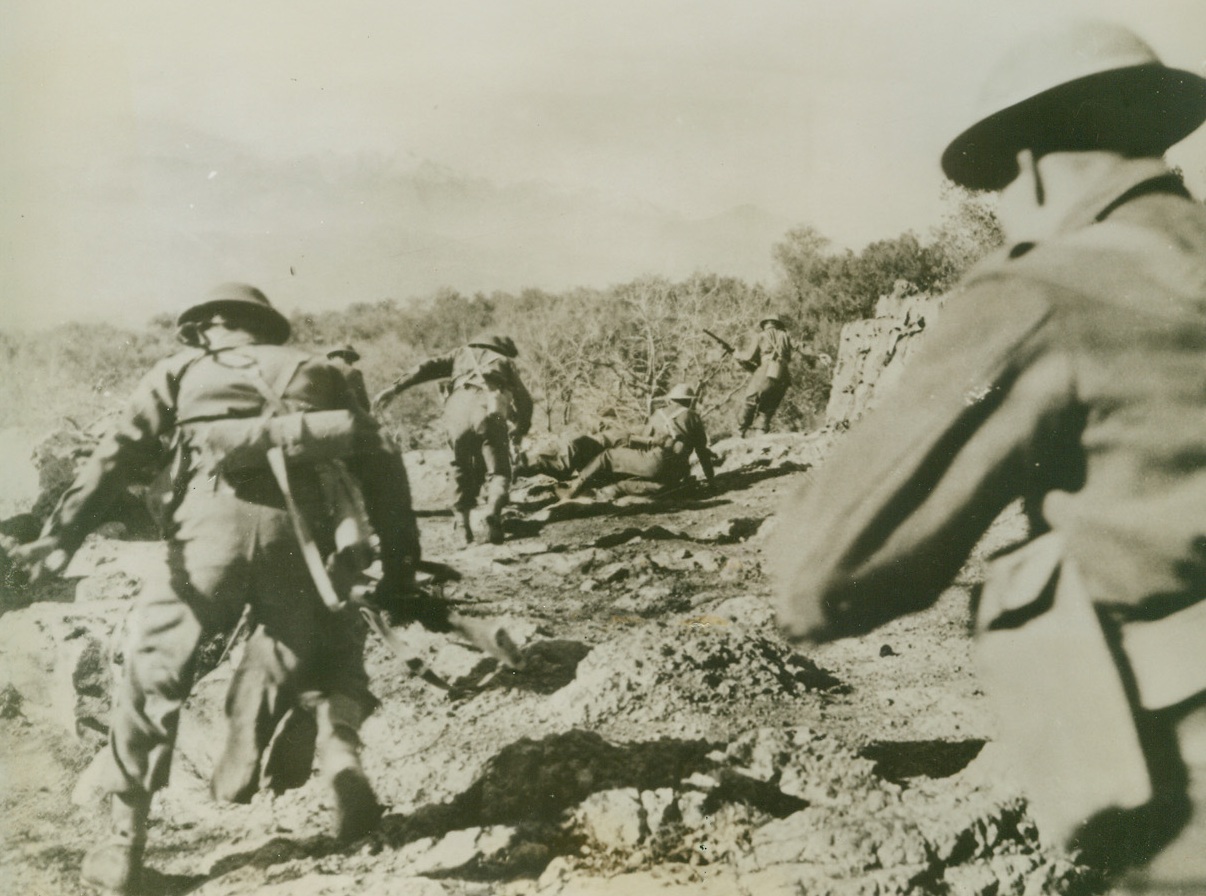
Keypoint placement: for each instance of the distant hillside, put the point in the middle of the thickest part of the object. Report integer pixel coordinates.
(182, 210)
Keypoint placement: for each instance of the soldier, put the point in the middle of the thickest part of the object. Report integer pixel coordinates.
(658, 459)
(1066, 372)
(768, 357)
(233, 543)
(485, 399)
(345, 358)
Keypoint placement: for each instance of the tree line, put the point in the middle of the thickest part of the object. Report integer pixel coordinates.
(586, 354)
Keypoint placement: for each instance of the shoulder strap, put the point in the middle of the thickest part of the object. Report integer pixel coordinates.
(280, 470)
(274, 394)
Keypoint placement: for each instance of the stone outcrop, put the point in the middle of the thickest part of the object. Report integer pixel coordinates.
(872, 353)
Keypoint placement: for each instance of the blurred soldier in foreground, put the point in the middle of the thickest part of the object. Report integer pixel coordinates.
(768, 357)
(235, 542)
(1068, 372)
(345, 358)
(486, 398)
(657, 460)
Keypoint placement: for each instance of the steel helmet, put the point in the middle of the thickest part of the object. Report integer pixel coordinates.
(504, 345)
(681, 393)
(1087, 85)
(346, 351)
(242, 299)
(772, 318)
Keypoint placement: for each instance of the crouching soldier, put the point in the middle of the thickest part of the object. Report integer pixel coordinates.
(659, 458)
(487, 406)
(236, 529)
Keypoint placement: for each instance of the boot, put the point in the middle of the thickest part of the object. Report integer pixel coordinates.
(494, 529)
(463, 526)
(115, 866)
(356, 811)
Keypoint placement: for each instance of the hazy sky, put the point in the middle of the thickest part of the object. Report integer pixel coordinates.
(832, 114)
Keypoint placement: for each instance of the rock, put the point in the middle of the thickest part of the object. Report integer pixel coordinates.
(108, 569)
(657, 805)
(57, 658)
(456, 850)
(613, 819)
(872, 353)
(613, 572)
(731, 530)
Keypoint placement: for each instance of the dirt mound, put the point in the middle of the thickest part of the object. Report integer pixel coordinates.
(664, 674)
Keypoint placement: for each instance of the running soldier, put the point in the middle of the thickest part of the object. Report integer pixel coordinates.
(487, 407)
(234, 543)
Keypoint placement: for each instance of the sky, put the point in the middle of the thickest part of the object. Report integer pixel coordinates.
(820, 113)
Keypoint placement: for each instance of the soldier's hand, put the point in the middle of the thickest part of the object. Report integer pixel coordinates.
(46, 555)
(381, 399)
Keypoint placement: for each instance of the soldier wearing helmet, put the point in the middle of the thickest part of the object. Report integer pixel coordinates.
(1067, 372)
(486, 407)
(768, 358)
(345, 357)
(657, 459)
(234, 543)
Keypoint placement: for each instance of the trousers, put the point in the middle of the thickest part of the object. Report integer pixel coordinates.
(233, 546)
(481, 451)
(762, 399)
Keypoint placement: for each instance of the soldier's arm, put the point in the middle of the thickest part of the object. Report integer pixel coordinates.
(431, 369)
(895, 510)
(521, 400)
(750, 356)
(131, 444)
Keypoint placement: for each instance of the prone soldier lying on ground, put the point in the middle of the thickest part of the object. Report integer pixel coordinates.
(657, 460)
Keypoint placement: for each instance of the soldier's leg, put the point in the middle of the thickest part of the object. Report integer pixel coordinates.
(496, 460)
(769, 401)
(289, 622)
(461, 415)
(749, 407)
(616, 464)
(202, 593)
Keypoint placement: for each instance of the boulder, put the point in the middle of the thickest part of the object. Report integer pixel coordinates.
(59, 659)
(872, 353)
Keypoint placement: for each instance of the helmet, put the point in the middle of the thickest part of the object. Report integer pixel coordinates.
(243, 299)
(681, 393)
(346, 351)
(1088, 85)
(772, 318)
(504, 345)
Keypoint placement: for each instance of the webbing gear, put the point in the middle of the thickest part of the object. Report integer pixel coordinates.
(275, 456)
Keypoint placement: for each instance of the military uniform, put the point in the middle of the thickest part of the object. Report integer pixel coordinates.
(344, 359)
(1066, 373)
(654, 461)
(233, 544)
(487, 405)
(769, 357)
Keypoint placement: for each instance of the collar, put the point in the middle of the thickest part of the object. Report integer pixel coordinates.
(1133, 179)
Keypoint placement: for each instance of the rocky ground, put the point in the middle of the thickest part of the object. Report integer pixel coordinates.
(661, 737)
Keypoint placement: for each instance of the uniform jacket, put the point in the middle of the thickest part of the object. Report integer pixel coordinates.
(769, 355)
(680, 432)
(477, 367)
(1072, 375)
(188, 389)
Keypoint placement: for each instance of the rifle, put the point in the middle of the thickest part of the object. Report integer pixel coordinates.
(729, 350)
